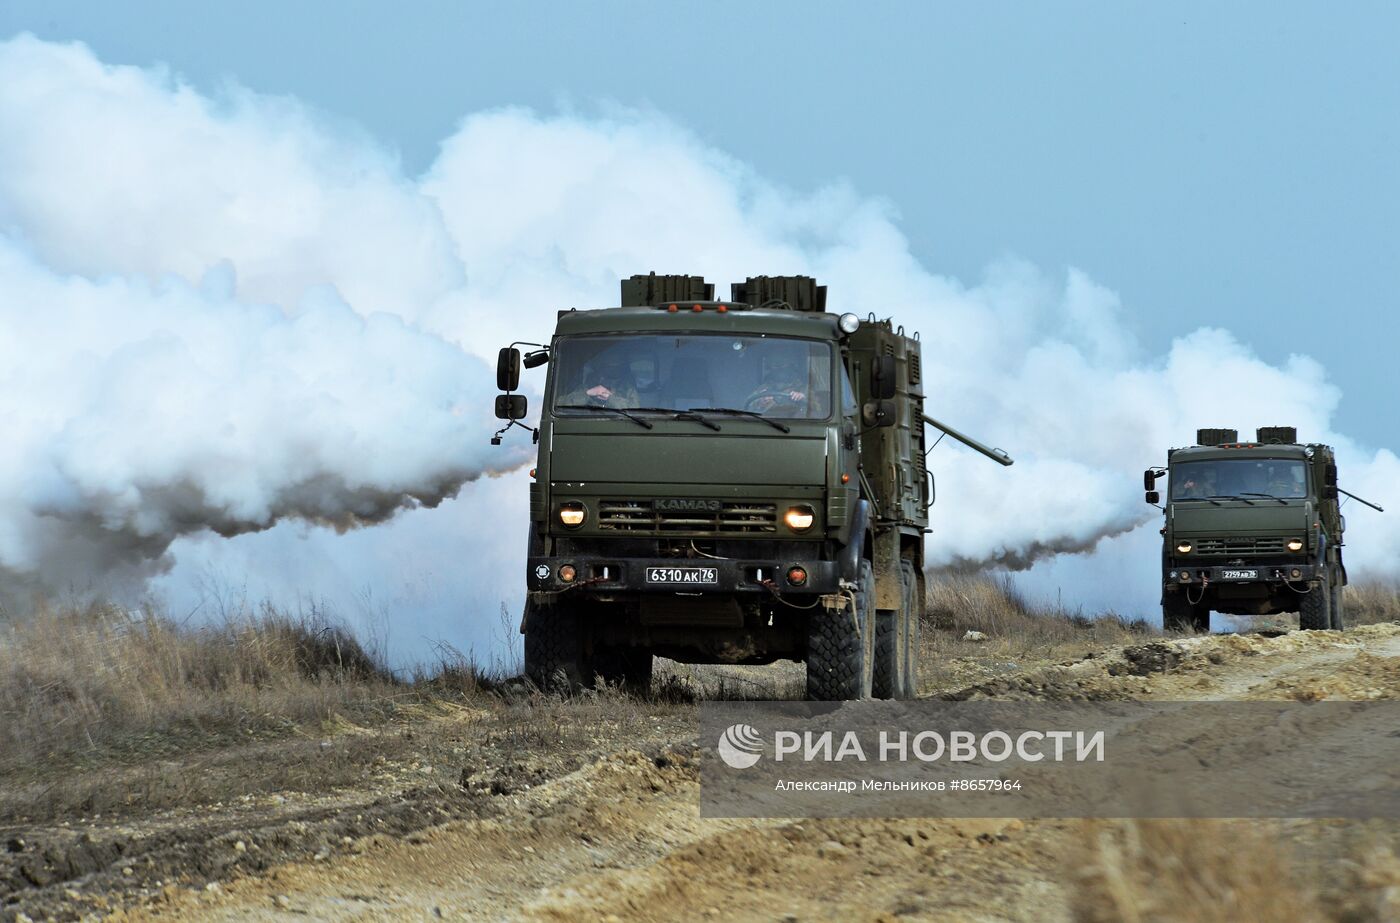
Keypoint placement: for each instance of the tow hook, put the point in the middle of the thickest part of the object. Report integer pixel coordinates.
(843, 601)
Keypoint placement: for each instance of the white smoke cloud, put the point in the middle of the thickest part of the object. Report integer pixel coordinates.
(119, 169)
(139, 412)
(120, 186)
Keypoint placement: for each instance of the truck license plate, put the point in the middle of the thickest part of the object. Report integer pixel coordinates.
(685, 575)
(1239, 575)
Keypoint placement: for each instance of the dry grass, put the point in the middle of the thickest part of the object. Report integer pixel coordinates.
(1015, 634)
(105, 711)
(1186, 872)
(1371, 601)
(95, 683)
(993, 606)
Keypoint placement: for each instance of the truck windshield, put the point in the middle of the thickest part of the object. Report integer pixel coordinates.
(1284, 478)
(777, 377)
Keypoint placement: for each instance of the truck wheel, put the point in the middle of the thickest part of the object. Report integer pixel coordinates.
(1178, 614)
(1315, 608)
(891, 647)
(628, 667)
(840, 649)
(554, 659)
(913, 613)
(896, 674)
(1338, 623)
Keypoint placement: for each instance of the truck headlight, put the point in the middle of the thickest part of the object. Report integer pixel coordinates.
(571, 514)
(848, 323)
(1183, 547)
(1295, 544)
(799, 518)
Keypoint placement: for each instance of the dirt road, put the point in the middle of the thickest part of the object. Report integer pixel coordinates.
(621, 838)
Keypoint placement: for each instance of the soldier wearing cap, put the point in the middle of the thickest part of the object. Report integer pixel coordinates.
(606, 383)
(782, 391)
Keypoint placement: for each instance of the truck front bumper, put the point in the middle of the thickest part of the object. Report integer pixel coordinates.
(1195, 575)
(602, 574)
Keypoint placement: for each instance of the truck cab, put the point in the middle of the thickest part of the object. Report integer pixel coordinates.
(735, 481)
(1251, 528)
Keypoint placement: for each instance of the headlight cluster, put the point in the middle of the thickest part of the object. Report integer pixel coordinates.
(572, 514)
(1294, 544)
(799, 518)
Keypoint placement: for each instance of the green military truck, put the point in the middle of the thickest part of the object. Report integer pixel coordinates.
(1252, 528)
(736, 481)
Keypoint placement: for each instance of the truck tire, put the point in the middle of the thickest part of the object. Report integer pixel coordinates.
(1315, 608)
(1178, 614)
(891, 646)
(896, 674)
(913, 612)
(554, 657)
(888, 674)
(1338, 622)
(628, 667)
(840, 650)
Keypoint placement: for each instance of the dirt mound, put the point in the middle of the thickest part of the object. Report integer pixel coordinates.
(1217, 666)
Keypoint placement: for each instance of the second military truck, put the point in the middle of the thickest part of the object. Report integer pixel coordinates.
(736, 481)
(1252, 528)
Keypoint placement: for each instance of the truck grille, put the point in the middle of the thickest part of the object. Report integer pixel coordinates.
(732, 518)
(1239, 546)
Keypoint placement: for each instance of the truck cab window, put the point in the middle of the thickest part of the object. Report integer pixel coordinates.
(1284, 478)
(778, 377)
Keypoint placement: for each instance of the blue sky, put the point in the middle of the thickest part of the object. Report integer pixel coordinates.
(1213, 164)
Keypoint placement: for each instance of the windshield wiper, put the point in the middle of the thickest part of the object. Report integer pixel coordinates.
(692, 415)
(734, 411)
(630, 412)
(1232, 497)
(681, 415)
(1270, 496)
(637, 420)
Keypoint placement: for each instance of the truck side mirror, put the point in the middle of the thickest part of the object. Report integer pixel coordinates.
(510, 406)
(879, 413)
(507, 371)
(1329, 476)
(882, 378)
(1153, 497)
(1149, 479)
(1329, 491)
(536, 359)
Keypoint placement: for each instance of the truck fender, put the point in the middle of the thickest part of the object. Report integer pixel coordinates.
(852, 553)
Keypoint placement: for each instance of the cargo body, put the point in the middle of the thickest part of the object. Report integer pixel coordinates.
(1251, 528)
(735, 481)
